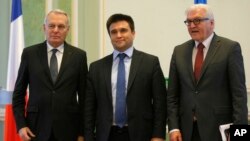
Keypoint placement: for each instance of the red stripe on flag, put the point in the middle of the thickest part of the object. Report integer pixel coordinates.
(10, 133)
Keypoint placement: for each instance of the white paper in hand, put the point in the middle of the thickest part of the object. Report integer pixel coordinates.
(224, 131)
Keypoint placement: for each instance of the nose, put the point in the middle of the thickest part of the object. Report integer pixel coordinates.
(118, 34)
(56, 29)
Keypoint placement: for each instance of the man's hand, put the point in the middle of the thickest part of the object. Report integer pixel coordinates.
(175, 136)
(80, 138)
(26, 134)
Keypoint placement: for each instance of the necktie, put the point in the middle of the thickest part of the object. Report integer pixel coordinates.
(120, 109)
(198, 61)
(53, 65)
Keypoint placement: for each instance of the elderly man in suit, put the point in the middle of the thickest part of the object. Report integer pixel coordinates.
(206, 82)
(126, 92)
(55, 73)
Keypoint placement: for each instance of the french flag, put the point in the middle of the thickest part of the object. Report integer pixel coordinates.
(16, 45)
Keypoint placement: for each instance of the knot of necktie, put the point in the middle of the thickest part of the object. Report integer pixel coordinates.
(122, 56)
(200, 47)
(54, 51)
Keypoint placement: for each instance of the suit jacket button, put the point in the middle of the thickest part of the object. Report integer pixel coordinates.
(196, 92)
(53, 92)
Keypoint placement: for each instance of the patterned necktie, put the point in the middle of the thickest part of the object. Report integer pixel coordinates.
(53, 65)
(198, 61)
(120, 109)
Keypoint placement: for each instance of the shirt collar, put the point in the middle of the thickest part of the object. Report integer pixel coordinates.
(128, 52)
(60, 48)
(206, 42)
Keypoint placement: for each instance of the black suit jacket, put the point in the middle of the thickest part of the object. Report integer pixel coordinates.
(51, 106)
(219, 96)
(146, 99)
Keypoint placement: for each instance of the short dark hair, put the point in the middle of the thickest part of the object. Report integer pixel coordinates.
(120, 17)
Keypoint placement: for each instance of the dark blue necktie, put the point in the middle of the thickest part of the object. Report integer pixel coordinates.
(53, 65)
(120, 109)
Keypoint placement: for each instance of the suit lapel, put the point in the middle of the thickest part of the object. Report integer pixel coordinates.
(210, 54)
(107, 67)
(43, 55)
(135, 63)
(189, 53)
(65, 60)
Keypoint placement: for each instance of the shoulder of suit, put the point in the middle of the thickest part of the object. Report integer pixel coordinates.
(187, 43)
(224, 40)
(138, 52)
(70, 46)
(74, 48)
(34, 47)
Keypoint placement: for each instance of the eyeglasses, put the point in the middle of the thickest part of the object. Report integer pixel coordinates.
(60, 26)
(195, 21)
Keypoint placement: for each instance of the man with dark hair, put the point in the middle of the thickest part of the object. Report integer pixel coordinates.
(126, 93)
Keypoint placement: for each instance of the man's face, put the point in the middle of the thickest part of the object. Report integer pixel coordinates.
(203, 29)
(121, 35)
(56, 29)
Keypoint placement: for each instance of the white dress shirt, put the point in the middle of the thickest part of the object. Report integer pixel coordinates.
(59, 54)
(206, 43)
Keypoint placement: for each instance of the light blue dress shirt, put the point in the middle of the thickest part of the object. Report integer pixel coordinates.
(127, 63)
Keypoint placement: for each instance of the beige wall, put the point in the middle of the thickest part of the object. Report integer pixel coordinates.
(159, 25)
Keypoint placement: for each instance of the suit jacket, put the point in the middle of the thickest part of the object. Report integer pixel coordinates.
(219, 96)
(51, 106)
(146, 99)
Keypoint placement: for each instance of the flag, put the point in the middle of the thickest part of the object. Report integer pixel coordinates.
(200, 1)
(16, 45)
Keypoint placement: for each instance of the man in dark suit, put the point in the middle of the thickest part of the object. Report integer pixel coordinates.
(56, 86)
(143, 103)
(206, 82)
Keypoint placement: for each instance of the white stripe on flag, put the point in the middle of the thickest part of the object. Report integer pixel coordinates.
(15, 51)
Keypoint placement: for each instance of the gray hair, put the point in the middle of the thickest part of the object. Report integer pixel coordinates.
(208, 10)
(57, 11)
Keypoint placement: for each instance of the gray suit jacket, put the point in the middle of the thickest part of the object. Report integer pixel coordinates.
(219, 96)
(51, 106)
(146, 99)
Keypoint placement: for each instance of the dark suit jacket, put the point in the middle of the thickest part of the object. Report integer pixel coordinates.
(219, 96)
(51, 106)
(146, 99)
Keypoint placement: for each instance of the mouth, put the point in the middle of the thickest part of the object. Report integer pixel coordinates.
(194, 31)
(55, 37)
(119, 41)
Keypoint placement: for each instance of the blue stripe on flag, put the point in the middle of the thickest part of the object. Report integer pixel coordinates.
(16, 9)
(5, 97)
(200, 1)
